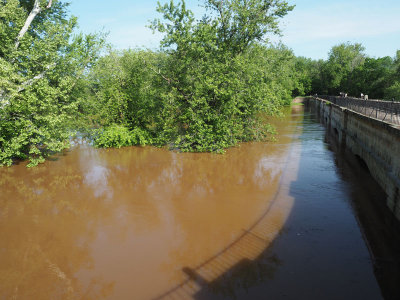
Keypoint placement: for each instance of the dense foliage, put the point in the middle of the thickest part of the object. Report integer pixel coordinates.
(118, 136)
(348, 69)
(208, 85)
(130, 89)
(39, 71)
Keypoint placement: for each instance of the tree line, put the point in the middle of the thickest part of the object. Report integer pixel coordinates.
(208, 87)
(348, 69)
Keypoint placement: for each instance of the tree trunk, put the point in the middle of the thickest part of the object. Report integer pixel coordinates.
(34, 12)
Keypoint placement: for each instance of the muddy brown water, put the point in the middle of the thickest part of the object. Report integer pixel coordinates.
(276, 220)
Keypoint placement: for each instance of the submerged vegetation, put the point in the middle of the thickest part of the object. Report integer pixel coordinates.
(207, 87)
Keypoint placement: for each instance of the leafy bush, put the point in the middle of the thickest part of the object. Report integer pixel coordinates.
(118, 136)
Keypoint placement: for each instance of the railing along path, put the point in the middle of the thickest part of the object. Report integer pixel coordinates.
(387, 111)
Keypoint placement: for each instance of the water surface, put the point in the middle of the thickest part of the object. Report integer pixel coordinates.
(266, 220)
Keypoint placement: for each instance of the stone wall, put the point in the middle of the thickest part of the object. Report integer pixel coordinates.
(376, 142)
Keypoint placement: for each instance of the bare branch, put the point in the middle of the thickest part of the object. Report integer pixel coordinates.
(170, 81)
(3, 99)
(4, 96)
(31, 81)
(32, 15)
(159, 73)
(34, 12)
(36, 78)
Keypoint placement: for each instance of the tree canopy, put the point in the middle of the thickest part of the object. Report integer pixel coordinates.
(348, 69)
(206, 87)
(41, 61)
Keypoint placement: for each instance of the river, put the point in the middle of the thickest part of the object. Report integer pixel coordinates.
(295, 218)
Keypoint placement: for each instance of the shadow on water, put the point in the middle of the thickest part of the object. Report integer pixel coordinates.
(121, 224)
(339, 241)
(134, 222)
(381, 230)
(237, 266)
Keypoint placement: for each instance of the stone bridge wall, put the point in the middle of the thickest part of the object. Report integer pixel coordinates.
(375, 141)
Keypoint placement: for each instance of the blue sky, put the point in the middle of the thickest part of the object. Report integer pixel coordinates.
(311, 29)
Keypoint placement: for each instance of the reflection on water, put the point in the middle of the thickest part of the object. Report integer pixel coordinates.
(127, 223)
(265, 219)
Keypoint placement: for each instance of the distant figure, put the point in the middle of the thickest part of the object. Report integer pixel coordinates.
(345, 95)
(362, 96)
(365, 97)
(341, 94)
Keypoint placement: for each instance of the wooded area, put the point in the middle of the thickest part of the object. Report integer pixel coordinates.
(208, 87)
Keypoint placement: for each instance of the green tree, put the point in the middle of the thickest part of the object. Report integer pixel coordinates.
(304, 69)
(372, 78)
(217, 82)
(393, 91)
(122, 94)
(124, 90)
(349, 70)
(342, 61)
(41, 62)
